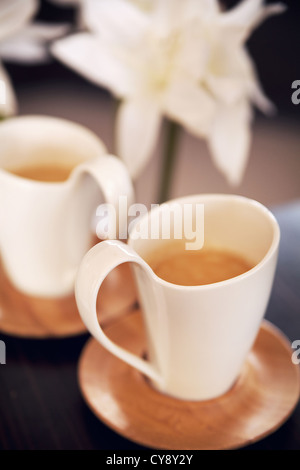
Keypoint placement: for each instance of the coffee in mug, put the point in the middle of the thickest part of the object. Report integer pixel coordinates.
(184, 267)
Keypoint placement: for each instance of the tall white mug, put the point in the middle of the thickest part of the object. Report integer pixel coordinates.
(198, 336)
(45, 227)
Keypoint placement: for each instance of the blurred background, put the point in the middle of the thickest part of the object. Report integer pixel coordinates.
(273, 172)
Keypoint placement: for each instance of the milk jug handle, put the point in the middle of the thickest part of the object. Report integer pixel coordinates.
(113, 179)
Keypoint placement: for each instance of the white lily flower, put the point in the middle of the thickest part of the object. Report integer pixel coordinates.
(183, 60)
(22, 41)
(13, 16)
(8, 104)
(30, 44)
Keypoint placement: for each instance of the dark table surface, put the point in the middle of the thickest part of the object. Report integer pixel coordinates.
(40, 402)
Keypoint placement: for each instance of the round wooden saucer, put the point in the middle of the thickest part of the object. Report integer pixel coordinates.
(260, 401)
(21, 315)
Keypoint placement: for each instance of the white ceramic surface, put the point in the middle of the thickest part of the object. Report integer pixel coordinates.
(46, 227)
(198, 336)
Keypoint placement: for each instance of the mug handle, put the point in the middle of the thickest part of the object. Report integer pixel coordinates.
(98, 262)
(113, 179)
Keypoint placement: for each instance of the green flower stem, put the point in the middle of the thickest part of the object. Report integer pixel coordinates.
(169, 156)
(116, 106)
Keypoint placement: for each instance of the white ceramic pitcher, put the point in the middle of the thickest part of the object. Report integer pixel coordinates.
(45, 228)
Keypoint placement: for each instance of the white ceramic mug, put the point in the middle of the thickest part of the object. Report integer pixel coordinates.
(198, 336)
(45, 228)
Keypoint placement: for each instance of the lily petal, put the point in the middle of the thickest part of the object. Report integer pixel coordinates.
(254, 88)
(228, 76)
(167, 15)
(190, 105)
(229, 140)
(244, 13)
(14, 14)
(193, 52)
(174, 14)
(269, 10)
(260, 100)
(226, 89)
(30, 44)
(117, 21)
(138, 125)
(235, 77)
(206, 9)
(247, 15)
(9, 107)
(87, 55)
(145, 5)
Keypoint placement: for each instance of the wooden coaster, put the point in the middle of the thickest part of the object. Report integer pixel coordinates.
(21, 315)
(260, 401)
